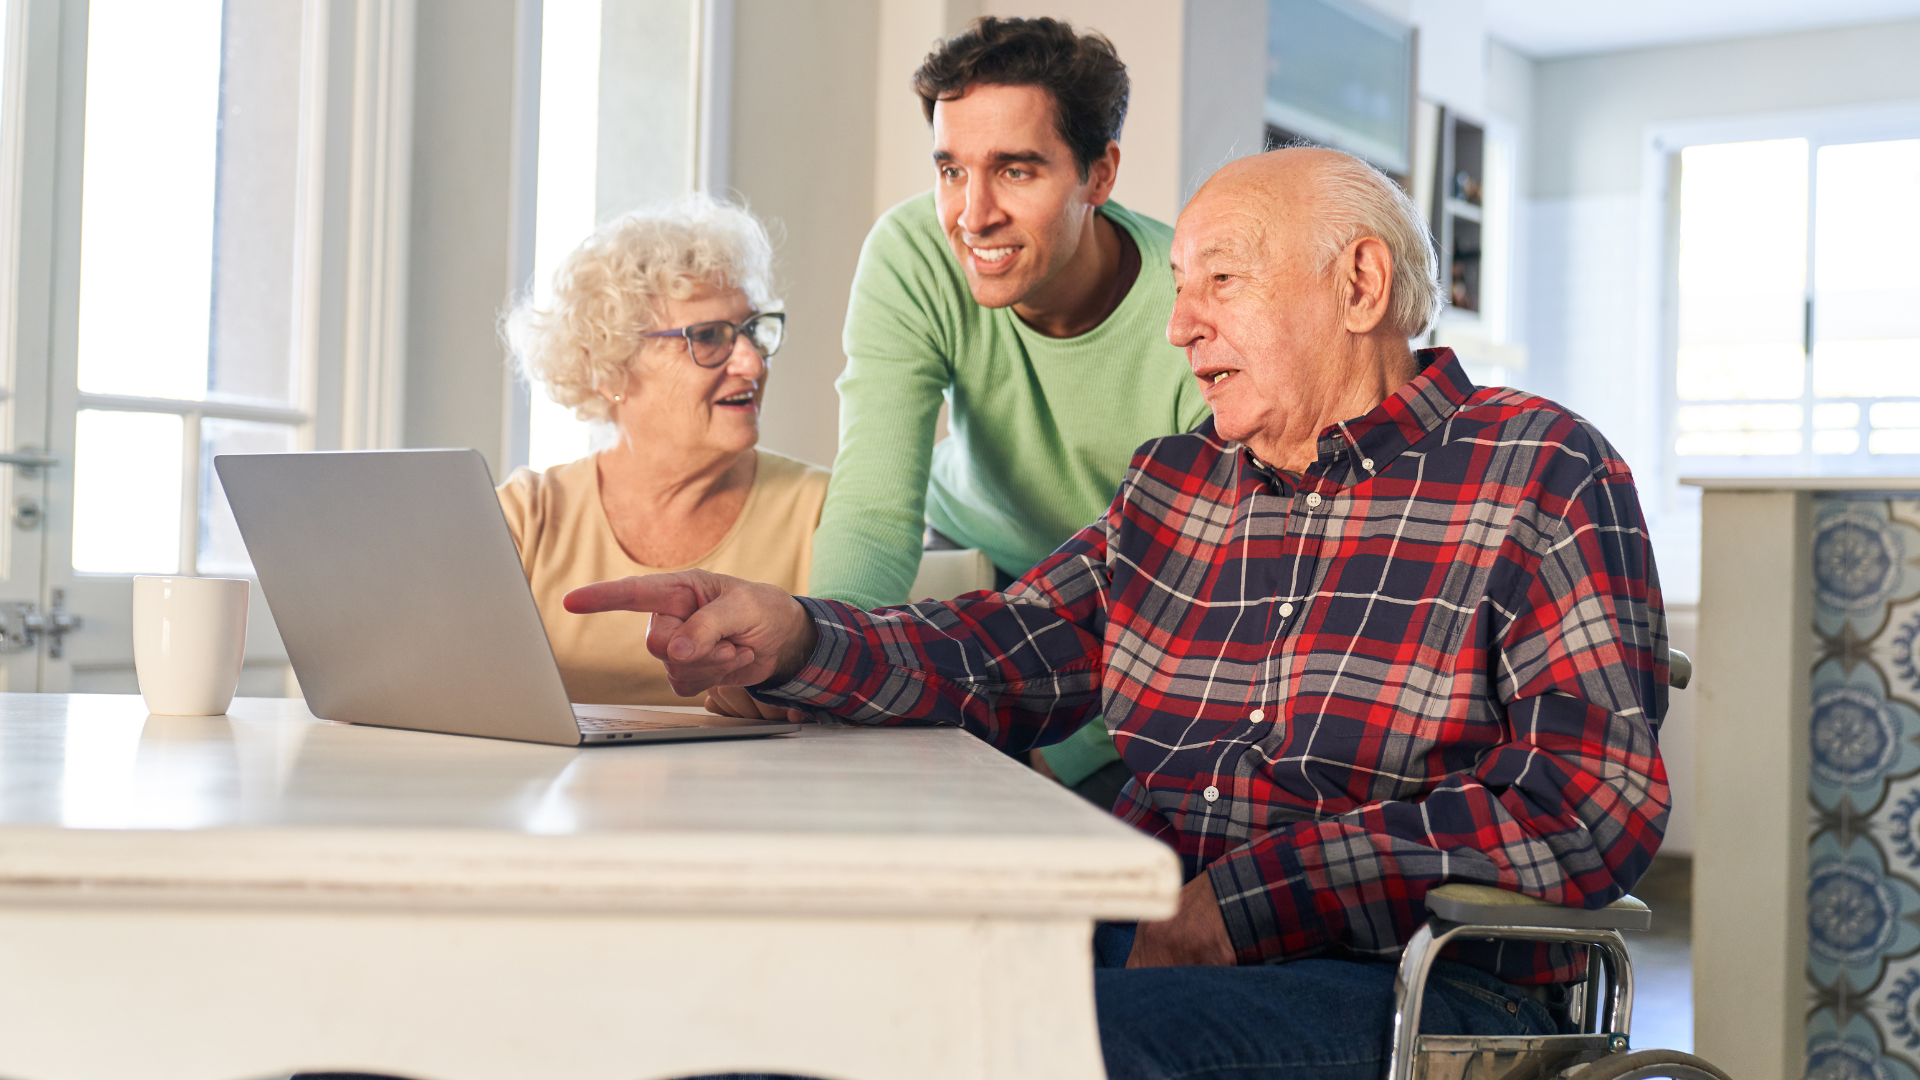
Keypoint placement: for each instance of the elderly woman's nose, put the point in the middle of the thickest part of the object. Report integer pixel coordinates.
(745, 359)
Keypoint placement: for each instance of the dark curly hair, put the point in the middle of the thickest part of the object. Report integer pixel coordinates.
(1085, 76)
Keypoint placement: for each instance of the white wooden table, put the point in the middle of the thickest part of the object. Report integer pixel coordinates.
(236, 897)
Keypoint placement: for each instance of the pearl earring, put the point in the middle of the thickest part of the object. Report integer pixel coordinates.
(618, 398)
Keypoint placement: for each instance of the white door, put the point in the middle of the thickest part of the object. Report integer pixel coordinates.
(167, 235)
(29, 149)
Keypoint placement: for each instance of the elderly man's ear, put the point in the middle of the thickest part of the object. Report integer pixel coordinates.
(1366, 283)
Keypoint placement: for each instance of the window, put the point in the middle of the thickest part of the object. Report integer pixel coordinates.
(619, 129)
(1797, 336)
(186, 344)
(564, 202)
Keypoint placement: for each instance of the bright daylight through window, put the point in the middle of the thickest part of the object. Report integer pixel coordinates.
(617, 132)
(186, 296)
(564, 203)
(1799, 308)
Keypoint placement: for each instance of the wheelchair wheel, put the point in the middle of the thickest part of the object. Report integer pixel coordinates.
(1651, 1065)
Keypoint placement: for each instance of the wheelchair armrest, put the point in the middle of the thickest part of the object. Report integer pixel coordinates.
(1679, 669)
(1484, 905)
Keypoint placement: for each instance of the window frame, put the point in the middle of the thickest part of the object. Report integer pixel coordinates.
(357, 61)
(1820, 127)
(350, 251)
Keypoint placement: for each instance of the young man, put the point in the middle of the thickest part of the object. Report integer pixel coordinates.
(1030, 301)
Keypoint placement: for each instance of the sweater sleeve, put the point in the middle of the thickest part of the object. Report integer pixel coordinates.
(867, 549)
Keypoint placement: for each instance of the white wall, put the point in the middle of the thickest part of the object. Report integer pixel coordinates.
(902, 157)
(1149, 36)
(644, 150)
(1453, 53)
(1222, 81)
(1595, 109)
(460, 238)
(1593, 262)
(801, 151)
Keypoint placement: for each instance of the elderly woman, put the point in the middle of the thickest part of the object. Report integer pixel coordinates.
(661, 325)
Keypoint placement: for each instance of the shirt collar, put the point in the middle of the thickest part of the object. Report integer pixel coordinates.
(1409, 415)
(1353, 450)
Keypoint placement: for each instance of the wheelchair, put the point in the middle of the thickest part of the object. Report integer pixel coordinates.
(1602, 1008)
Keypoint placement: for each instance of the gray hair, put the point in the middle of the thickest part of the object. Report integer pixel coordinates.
(1353, 199)
(612, 288)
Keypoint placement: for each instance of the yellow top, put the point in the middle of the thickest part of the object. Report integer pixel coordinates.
(566, 541)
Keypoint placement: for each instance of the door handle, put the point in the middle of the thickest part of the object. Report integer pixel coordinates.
(29, 460)
(22, 625)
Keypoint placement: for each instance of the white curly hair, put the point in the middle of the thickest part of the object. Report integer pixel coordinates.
(612, 288)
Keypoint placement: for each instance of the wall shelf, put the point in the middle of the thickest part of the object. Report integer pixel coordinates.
(1459, 183)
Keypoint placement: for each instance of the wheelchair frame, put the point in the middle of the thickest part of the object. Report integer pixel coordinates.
(1604, 1030)
(1599, 1051)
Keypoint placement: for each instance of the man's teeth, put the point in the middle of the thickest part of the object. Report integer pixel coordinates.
(1218, 375)
(991, 254)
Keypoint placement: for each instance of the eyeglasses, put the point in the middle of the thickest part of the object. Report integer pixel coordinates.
(710, 343)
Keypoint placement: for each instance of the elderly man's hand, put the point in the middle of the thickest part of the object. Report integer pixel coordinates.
(709, 629)
(735, 701)
(1195, 935)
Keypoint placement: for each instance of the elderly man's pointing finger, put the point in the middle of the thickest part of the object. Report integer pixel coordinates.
(711, 630)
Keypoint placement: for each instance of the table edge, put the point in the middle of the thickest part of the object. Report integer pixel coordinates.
(1120, 877)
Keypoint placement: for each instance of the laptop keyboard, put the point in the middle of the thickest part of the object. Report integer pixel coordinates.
(596, 725)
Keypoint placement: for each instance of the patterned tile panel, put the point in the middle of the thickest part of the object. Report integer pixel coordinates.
(1863, 889)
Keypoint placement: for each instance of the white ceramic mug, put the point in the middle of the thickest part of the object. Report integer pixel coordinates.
(189, 637)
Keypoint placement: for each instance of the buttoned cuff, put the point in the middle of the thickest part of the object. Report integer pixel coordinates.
(1266, 904)
(835, 664)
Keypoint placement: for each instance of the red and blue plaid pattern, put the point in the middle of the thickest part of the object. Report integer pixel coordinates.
(1438, 655)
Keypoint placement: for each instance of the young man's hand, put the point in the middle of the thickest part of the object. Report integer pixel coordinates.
(709, 629)
(1195, 935)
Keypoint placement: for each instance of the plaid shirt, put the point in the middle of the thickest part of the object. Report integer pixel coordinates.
(1438, 655)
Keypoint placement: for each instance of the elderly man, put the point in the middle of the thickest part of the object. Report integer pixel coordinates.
(1370, 630)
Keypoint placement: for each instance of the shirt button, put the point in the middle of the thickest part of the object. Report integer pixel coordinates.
(1286, 611)
(1313, 498)
(1367, 464)
(1258, 715)
(1211, 794)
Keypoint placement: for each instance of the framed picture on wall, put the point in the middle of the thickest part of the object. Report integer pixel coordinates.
(1342, 75)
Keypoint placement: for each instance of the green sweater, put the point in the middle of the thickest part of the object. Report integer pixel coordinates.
(1042, 428)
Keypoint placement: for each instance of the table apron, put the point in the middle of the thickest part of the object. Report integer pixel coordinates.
(95, 993)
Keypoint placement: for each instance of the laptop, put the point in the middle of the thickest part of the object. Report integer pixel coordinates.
(402, 602)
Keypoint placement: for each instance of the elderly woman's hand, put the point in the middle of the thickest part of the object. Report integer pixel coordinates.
(735, 701)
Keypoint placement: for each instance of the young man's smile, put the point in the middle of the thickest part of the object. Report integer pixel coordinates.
(1019, 215)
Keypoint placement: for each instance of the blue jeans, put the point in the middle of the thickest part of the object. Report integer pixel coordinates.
(1313, 1019)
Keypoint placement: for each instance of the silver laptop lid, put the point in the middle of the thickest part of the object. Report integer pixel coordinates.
(398, 591)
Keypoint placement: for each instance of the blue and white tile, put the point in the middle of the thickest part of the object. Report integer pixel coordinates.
(1899, 650)
(1864, 558)
(1859, 916)
(1862, 738)
(1854, 1050)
